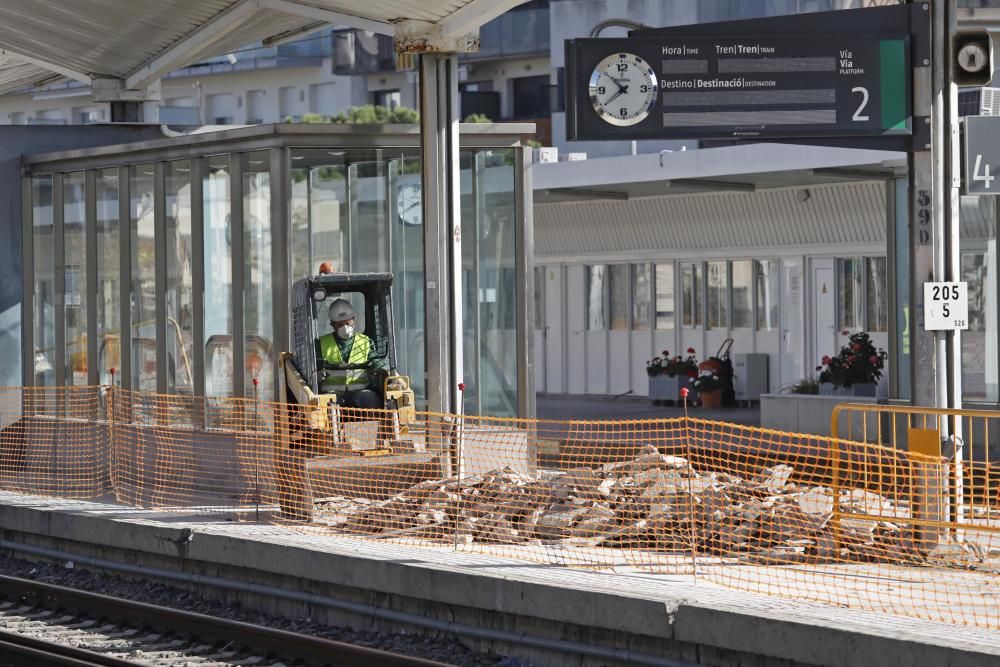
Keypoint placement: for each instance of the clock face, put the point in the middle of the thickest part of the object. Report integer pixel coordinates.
(623, 89)
(408, 204)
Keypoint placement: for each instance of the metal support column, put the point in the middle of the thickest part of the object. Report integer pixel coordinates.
(28, 296)
(442, 229)
(198, 288)
(90, 262)
(125, 276)
(926, 191)
(238, 271)
(951, 270)
(59, 278)
(525, 280)
(160, 272)
(281, 255)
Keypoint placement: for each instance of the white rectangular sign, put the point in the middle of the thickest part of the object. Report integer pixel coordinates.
(946, 306)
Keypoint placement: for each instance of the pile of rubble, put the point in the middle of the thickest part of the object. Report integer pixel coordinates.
(655, 501)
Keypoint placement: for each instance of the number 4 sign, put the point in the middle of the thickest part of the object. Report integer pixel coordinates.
(946, 306)
(982, 155)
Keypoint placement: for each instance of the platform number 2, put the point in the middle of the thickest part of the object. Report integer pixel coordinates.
(982, 172)
(861, 107)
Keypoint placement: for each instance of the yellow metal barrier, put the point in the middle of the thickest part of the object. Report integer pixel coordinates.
(845, 521)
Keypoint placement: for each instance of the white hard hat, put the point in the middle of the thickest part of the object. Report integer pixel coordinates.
(340, 310)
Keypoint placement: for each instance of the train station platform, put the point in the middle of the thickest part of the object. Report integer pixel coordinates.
(542, 613)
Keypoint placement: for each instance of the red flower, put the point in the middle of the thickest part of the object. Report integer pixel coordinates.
(666, 354)
(692, 374)
(856, 347)
(826, 360)
(819, 368)
(873, 359)
(690, 350)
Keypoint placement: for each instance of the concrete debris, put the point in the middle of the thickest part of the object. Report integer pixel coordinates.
(654, 501)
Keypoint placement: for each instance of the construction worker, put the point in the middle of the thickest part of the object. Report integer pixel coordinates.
(346, 347)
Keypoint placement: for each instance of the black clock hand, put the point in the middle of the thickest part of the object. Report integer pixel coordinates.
(620, 91)
(621, 88)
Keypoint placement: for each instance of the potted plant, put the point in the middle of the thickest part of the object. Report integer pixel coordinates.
(709, 387)
(856, 369)
(666, 373)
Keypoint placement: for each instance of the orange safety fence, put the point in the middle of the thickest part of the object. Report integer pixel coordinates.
(842, 522)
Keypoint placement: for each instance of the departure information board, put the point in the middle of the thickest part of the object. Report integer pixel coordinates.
(763, 87)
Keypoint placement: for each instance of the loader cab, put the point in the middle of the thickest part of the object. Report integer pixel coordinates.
(369, 294)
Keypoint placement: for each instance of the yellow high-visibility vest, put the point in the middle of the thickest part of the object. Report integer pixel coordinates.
(345, 380)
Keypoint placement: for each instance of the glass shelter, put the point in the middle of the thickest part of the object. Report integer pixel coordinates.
(166, 265)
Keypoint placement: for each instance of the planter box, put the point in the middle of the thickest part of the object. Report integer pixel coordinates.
(805, 413)
(664, 388)
(865, 389)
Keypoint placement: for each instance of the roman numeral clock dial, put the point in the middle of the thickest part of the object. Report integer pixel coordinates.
(623, 89)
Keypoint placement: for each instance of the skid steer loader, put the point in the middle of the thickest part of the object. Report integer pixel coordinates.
(323, 448)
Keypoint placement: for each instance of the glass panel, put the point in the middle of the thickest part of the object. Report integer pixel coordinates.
(664, 281)
(75, 267)
(849, 293)
(766, 281)
(319, 210)
(218, 277)
(407, 265)
(640, 297)
(405, 206)
(367, 240)
(742, 295)
(618, 285)
(718, 304)
(691, 293)
(143, 304)
(497, 281)
(44, 317)
(978, 266)
(257, 312)
(180, 334)
(877, 297)
(594, 291)
(108, 279)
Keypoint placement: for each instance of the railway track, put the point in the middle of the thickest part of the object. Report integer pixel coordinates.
(43, 625)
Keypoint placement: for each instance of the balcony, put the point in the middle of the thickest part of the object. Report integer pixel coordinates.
(517, 33)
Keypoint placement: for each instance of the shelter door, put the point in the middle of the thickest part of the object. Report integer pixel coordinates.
(554, 319)
(824, 310)
(791, 322)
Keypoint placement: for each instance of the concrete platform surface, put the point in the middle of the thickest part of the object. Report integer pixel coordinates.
(675, 616)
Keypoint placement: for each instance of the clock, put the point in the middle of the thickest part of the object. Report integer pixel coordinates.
(623, 89)
(408, 204)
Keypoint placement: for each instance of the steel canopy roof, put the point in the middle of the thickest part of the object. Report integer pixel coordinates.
(137, 41)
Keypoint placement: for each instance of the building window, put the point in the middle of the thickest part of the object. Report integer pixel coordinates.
(108, 280)
(849, 293)
(876, 295)
(718, 305)
(691, 295)
(766, 288)
(389, 99)
(640, 297)
(618, 287)
(663, 280)
(530, 96)
(594, 290)
(742, 294)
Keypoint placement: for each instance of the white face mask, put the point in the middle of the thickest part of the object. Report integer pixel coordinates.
(345, 331)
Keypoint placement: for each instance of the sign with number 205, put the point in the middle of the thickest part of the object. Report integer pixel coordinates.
(946, 306)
